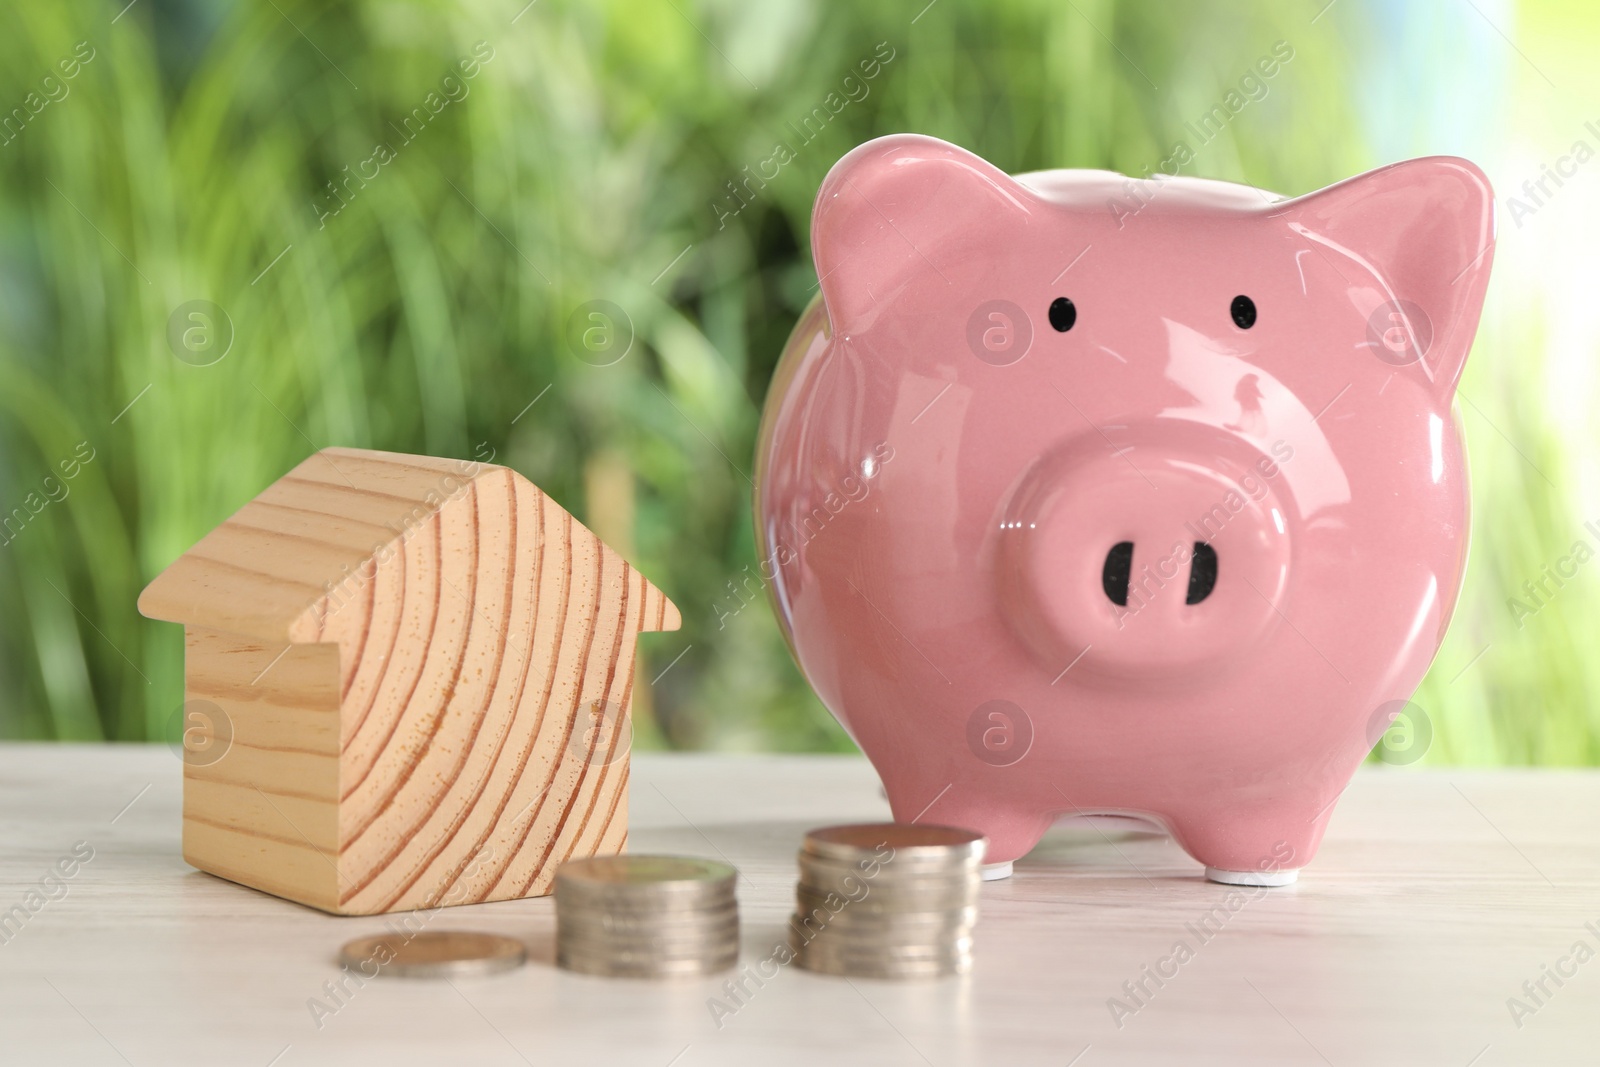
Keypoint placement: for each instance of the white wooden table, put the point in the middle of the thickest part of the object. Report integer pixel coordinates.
(1435, 897)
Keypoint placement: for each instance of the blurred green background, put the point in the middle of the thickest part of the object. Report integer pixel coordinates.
(416, 296)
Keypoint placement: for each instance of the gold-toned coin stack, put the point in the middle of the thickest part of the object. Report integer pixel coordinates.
(646, 916)
(887, 900)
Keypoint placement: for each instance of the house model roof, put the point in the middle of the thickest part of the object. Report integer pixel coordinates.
(307, 547)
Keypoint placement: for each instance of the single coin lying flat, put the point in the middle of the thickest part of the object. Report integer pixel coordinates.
(433, 954)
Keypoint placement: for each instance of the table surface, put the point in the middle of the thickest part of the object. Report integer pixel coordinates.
(1435, 897)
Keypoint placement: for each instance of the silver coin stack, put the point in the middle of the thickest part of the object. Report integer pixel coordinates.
(646, 916)
(887, 900)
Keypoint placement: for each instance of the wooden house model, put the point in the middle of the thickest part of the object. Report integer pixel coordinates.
(415, 677)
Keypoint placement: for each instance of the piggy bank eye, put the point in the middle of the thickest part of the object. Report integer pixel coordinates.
(1244, 312)
(1063, 313)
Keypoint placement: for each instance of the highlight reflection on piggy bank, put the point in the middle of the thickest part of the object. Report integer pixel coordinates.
(1096, 497)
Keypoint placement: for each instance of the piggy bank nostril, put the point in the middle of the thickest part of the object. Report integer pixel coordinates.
(1202, 573)
(1116, 572)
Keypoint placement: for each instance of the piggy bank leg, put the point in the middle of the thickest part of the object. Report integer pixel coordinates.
(1252, 878)
(1012, 832)
(1252, 848)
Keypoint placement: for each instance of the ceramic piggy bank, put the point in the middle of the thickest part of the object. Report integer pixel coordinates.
(1083, 496)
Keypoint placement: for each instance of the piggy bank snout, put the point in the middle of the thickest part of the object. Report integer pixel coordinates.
(1160, 555)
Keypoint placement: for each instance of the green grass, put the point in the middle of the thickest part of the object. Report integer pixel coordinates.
(190, 161)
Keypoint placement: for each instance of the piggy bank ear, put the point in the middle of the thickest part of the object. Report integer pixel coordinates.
(1425, 230)
(907, 210)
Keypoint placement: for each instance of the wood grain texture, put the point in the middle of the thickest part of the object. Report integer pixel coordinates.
(425, 667)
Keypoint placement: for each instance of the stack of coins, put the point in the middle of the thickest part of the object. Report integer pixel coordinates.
(646, 916)
(888, 900)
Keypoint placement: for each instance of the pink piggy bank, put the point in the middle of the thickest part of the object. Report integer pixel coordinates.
(1084, 496)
